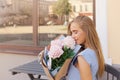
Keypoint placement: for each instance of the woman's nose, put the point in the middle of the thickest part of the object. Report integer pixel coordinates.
(73, 36)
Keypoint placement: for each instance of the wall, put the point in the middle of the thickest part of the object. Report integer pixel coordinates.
(101, 27)
(113, 18)
(8, 61)
(107, 25)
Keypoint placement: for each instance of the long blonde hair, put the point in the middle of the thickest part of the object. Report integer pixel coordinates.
(92, 40)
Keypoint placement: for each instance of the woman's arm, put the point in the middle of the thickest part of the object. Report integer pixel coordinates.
(84, 69)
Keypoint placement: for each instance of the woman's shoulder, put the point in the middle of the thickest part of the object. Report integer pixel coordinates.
(87, 51)
(89, 55)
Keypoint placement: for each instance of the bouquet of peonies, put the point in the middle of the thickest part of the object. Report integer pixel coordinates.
(56, 59)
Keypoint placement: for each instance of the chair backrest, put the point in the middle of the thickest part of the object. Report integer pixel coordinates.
(112, 72)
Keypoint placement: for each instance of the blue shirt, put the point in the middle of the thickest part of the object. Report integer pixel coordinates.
(90, 56)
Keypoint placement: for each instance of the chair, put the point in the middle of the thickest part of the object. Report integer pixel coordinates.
(112, 72)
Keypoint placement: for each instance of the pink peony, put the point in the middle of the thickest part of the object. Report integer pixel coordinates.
(57, 42)
(55, 51)
(69, 42)
(58, 53)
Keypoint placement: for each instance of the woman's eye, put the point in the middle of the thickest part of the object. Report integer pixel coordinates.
(75, 32)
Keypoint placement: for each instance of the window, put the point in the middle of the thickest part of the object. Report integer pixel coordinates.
(74, 8)
(27, 26)
(86, 8)
(80, 8)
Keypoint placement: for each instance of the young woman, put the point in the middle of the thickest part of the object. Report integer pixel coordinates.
(89, 62)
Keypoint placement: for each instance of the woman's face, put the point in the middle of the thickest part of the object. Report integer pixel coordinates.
(77, 33)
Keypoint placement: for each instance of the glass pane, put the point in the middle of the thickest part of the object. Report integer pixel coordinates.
(54, 16)
(16, 22)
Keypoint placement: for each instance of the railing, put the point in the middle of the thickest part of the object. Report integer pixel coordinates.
(111, 73)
